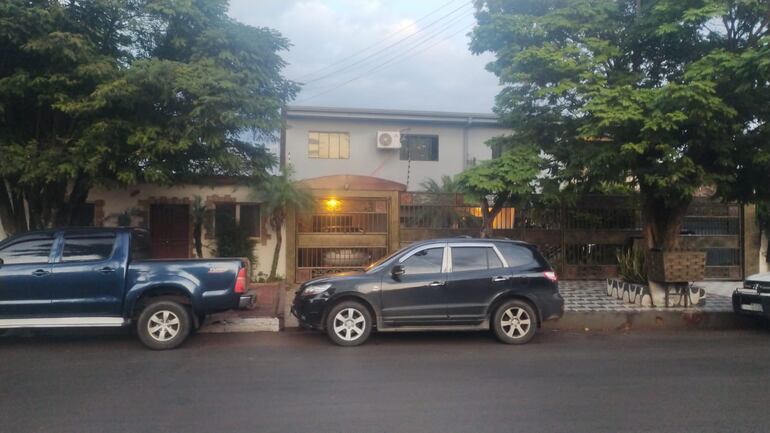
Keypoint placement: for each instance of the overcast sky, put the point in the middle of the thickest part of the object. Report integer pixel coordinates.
(430, 69)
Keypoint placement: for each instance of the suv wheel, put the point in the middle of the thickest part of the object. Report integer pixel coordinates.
(349, 323)
(514, 322)
(163, 325)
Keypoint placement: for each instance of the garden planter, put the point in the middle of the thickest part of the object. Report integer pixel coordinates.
(676, 266)
(682, 295)
(632, 293)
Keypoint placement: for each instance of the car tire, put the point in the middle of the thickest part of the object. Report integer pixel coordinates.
(514, 322)
(164, 325)
(349, 323)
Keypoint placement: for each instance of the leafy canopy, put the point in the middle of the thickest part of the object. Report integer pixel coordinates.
(661, 95)
(109, 92)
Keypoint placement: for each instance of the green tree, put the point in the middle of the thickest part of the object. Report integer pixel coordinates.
(277, 195)
(663, 96)
(509, 178)
(111, 92)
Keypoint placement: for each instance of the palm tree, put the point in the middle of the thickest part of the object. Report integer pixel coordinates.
(444, 216)
(279, 194)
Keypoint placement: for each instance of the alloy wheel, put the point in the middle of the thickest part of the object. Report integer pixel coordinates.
(163, 325)
(515, 322)
(349, 324)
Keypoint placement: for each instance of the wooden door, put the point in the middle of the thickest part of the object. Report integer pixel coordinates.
(170, 231)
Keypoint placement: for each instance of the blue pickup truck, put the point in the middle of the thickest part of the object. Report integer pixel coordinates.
(104, 277)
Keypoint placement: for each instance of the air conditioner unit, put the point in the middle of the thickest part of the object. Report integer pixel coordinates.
(388, 140)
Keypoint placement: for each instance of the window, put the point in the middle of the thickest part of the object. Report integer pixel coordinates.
(419, 147)
(27, 252)
(87, 249)
(474, 259)
(250, 219)
(224, 217)
(328, 145)
(518, 256)
(427, 261)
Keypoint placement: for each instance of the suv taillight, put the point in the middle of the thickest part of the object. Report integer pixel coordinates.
(240, 281)
(551, 275)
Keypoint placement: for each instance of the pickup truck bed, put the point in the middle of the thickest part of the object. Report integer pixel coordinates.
(103, 277)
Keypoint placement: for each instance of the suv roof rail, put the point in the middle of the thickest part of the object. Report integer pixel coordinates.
(464, 236)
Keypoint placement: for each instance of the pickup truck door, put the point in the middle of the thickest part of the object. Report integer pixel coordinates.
(25, 277)
(88, 275)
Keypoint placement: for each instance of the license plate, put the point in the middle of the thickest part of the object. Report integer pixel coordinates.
(751, 307)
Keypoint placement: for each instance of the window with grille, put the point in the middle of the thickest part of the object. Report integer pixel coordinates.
(328, 145)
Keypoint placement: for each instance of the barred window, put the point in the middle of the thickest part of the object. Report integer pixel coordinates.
(328, 145)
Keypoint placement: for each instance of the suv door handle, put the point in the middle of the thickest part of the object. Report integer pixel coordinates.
(436, 283)
(499, 278)
(106, 270)
(40, 272)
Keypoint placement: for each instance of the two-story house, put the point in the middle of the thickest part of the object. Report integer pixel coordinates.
(362, 164)
(406, 147)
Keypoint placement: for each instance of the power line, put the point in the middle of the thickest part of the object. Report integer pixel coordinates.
(390, 35)
(335, 72)
(402, 50)
(386, 65)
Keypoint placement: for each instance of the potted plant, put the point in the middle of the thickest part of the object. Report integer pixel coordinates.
(632, 285)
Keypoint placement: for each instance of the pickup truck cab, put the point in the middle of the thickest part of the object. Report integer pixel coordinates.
(104, 277)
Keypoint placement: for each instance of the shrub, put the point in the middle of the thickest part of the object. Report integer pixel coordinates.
(234, 241)
(632, 267)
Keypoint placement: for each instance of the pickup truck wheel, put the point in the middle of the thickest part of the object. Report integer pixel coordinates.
(349, 323)
(163, 325)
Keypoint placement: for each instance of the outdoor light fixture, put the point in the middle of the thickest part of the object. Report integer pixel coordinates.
(332, 204)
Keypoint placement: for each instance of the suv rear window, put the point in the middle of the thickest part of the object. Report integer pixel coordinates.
(474, 259)
(520, 256)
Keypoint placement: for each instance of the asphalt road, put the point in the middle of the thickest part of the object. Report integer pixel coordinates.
(696, 381)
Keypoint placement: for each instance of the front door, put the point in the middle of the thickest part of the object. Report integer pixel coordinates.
(170, 231)
(89, 277)
(477, 276)
(417, 296)
(25, 278)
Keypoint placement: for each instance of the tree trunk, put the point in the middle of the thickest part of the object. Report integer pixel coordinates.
(12, 214)
(663, 222)
(277, 226)
(197, 233)
(488, 215)
(68, 213)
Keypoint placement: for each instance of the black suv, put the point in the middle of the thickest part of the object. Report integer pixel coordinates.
(438, 284)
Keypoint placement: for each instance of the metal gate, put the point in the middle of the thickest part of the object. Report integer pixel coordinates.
(340, 234)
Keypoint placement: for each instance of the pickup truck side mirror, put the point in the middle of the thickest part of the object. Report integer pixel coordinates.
(397, 270)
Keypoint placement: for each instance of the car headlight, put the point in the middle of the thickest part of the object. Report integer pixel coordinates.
(316, 289)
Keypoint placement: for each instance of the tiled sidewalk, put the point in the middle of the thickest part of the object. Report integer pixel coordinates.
(591, 296)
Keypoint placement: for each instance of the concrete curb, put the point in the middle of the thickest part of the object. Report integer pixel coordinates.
(250, 324)
(654, 319)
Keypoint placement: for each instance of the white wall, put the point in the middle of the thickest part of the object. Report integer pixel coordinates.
(366, 160)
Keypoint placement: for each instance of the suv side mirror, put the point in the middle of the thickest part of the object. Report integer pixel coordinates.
(397, 270)
(1, 262)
